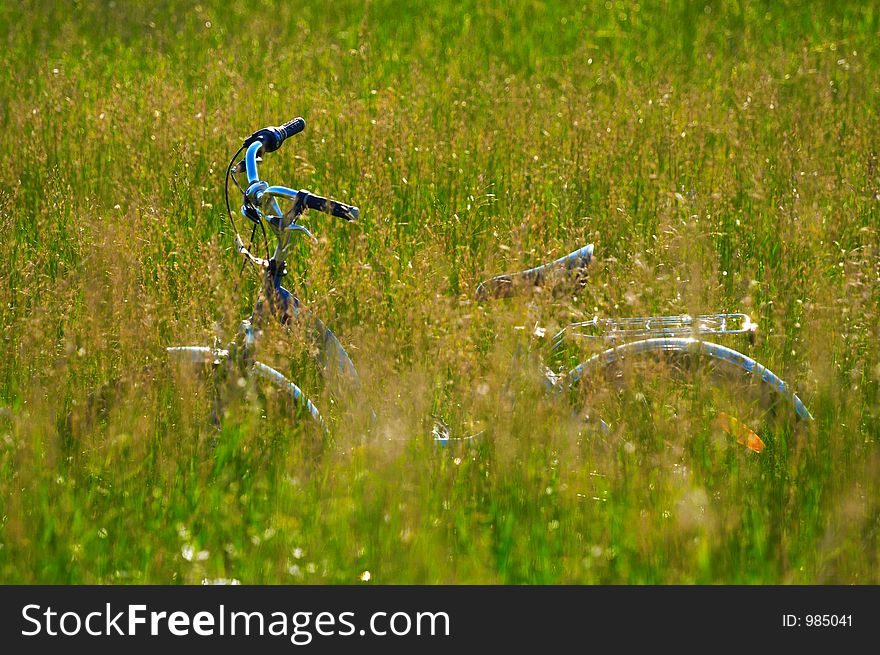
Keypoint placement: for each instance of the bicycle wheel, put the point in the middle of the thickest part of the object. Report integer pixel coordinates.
(663, 386)
(220, 368)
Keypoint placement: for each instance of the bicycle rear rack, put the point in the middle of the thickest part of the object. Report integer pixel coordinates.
(618, 330)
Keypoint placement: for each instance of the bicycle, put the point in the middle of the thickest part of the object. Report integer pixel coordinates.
(606, 384)
(274, 300)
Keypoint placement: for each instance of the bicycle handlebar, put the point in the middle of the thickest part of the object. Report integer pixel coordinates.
(272, 137)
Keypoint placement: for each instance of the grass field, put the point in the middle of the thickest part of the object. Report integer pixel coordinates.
(722, 156)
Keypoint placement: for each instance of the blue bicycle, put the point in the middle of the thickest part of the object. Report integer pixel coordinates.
(662, 369)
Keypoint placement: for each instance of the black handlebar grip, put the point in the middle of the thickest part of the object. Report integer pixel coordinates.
(332, 207)
(341, 210)
(273, 137)
(292, 128)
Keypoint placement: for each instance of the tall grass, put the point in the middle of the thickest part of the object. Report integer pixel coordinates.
(721, 155)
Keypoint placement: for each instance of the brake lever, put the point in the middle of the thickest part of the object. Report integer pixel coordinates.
(277, 221)
(304, 230)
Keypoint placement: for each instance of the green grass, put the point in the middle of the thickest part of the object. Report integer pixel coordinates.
(721, 155)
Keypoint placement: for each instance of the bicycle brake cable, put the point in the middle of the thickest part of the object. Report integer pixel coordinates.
(231, 172)
(226, 190)
(229, 213)
(245, 260)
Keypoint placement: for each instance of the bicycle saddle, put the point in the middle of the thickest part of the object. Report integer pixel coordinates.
(504, 286)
